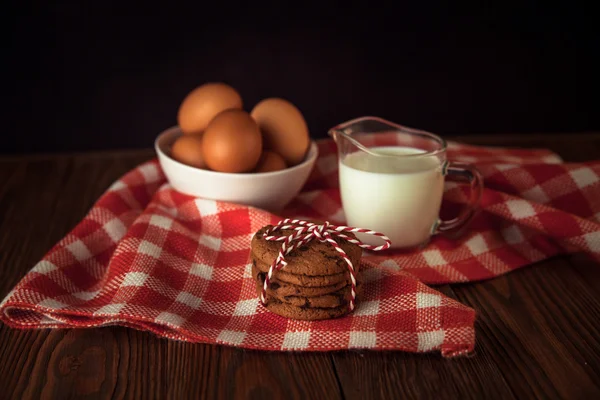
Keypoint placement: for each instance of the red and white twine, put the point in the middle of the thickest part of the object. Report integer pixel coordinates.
(304, 232)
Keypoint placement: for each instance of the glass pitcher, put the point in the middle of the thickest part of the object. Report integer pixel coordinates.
(392, 181)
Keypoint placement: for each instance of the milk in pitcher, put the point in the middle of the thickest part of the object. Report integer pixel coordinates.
(399, 195)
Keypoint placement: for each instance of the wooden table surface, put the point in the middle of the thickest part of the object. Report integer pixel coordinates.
(538, 329)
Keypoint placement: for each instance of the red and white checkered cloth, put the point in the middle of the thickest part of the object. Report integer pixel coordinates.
(150, 258)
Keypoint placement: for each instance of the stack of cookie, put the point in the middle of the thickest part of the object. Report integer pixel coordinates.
(315, 283)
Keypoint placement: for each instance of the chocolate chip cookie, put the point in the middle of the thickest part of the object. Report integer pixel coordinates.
(281, 288)
(305, 313)
(331, 300)
(302, 280)
(312, 259)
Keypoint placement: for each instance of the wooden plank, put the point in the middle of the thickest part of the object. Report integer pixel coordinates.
(541, 326)
(587, 269)
(260, 375)
(366, 375)
(572, 148)
(117, 362)
(555, 141)
(19, 352)
(393, 375)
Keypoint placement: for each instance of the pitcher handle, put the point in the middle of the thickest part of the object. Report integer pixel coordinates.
(466, 173)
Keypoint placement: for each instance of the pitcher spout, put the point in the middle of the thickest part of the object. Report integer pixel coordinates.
(333, 133)
(347, 136)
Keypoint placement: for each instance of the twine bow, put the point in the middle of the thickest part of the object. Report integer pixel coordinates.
(304, 232)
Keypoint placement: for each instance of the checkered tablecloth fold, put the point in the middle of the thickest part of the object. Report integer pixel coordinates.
(148, 257)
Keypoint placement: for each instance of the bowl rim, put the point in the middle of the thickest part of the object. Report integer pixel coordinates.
(311, 156)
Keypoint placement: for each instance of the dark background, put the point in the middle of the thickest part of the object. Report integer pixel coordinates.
(111, 75)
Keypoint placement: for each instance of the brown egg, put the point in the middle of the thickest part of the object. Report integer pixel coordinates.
(188, 150)
(270, 162)
(202, 104)
(232, 142)
(284, 129)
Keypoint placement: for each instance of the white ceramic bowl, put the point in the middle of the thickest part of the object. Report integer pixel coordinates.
(268, 190)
